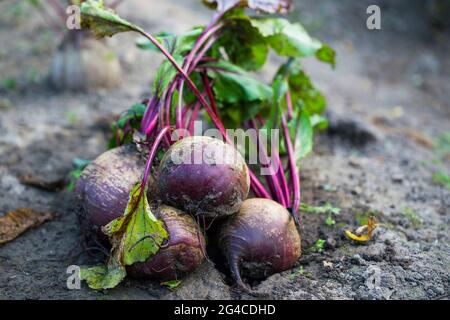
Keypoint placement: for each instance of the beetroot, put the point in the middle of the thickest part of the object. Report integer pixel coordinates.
(259, 240)
(103, 190)
(212, 184)
(180, 255)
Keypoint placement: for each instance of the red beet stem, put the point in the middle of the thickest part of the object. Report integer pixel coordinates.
(209, 92)
(272, 180)
(289, 104)
(256, 185)
(151, 156)
(193, 117)
(179, 114)
(283, 181)
(295, 178)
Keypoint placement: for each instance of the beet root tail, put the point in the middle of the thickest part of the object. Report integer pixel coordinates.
(236, 274)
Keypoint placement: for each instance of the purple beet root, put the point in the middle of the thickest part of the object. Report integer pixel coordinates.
(103, 190)
(180, 255)
(259, 240)
(204, 177)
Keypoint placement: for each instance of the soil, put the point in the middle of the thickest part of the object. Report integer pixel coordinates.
(388, 102)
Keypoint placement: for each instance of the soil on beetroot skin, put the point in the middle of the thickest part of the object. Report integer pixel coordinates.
(388, 100)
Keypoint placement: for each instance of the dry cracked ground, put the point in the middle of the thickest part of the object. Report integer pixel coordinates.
(386, 145)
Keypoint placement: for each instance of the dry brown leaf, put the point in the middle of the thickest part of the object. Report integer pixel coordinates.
(40, 183)
(16, 222)
(409, 133)
(418, 138)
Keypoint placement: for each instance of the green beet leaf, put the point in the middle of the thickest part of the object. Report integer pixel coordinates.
(285, 38)
(104, 277)
(304, 137)
(180, 44)
(243, 43)
(279, 88)
(233, 85)
(327, 54)
(167, 39)
(165, 74)
(103, 22)
(134, 237)
(303, 92)
(319, 122)
(140, 232)
(136, 112)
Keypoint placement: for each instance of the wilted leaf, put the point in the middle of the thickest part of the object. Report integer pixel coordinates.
(16, 222)
(104, 277)
(365, 237)
(267, 6)
(103, 22)
(418, 137)
(42, 183)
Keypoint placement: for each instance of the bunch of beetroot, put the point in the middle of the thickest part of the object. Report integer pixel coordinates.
(150, 197)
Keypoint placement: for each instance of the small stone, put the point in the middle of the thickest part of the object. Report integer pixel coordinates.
(375, 252)
(331, 243)
(356, 191)
(356, 259)
(397, 178)
(354, 162)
